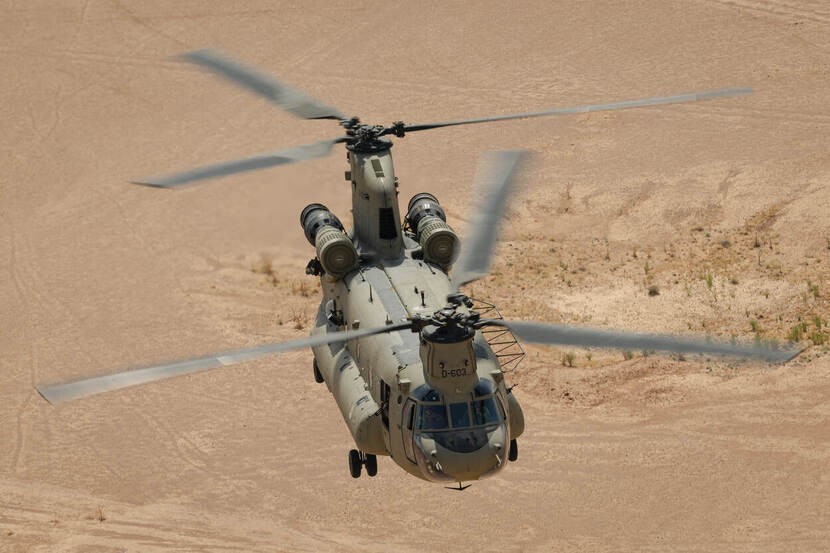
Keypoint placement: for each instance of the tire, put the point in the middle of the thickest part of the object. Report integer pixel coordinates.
(355, 464)
(513, 454)
(371, 464)
(317, 376)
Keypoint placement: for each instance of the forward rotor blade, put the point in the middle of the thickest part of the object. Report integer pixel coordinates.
(691, 97)
(261, 161)
(553, 334)
(68, 391)
(284, 96)
(497, 178)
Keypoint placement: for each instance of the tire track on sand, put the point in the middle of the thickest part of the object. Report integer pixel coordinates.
(20, 290)
(779, 9)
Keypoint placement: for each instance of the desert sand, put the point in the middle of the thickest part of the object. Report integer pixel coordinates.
(721, 206)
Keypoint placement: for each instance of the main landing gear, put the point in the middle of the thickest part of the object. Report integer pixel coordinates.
(513, 453)
(357, 459)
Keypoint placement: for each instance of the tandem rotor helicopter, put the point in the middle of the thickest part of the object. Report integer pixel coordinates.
(402, 349)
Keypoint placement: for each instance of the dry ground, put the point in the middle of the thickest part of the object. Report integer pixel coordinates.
(722, 206)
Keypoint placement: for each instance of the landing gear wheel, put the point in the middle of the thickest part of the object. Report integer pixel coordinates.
(355, 463)
(371, 464)
(513, 454)
(317, 376)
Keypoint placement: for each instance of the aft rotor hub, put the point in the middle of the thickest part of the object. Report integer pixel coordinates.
(366, 138)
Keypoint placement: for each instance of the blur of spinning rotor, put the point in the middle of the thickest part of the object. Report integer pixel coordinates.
(409, 358)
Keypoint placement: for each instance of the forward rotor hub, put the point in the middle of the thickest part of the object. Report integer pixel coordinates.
(453, 323)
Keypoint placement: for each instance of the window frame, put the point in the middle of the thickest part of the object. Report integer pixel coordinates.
(500, 413)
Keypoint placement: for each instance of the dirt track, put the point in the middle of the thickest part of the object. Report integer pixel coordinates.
(645, 454)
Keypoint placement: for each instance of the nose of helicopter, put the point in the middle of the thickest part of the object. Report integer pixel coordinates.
(462, 455)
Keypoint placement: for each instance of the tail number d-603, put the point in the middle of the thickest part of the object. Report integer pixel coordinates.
(452, 373)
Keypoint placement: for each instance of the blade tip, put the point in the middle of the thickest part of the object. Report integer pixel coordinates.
(44, 393)
(195, 55)
(151, 183)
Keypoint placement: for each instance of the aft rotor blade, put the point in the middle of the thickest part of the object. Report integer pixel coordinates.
(554, 334)
(261, 161)
(68, 391)
(691, 97)
(279, 93)
(497, 178)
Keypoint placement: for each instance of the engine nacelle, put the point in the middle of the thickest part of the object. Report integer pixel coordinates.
(324, 231)
(427, 219)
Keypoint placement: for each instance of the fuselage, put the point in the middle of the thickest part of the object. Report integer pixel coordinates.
(440, 410)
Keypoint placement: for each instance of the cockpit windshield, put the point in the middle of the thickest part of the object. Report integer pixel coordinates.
(485, 411)
(459, 415)
(479, 412)
(432, 417)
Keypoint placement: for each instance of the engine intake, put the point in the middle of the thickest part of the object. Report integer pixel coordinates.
(324, 231)
(427, 220)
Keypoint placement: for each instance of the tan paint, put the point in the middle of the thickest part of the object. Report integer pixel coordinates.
(376, 362)
(450, 368)
(371, 191)
(358, 371)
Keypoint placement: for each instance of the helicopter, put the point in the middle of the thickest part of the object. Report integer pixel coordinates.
(402, 349)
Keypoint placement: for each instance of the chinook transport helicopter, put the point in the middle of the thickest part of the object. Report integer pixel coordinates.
(401, 348)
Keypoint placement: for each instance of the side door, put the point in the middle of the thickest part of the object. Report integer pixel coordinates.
(408, 429)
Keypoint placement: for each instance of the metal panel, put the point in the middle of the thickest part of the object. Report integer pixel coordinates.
(407, 352)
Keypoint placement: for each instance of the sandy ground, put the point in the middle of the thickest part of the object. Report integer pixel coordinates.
(722, 206)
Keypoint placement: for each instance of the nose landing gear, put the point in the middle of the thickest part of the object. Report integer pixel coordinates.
(358, 459)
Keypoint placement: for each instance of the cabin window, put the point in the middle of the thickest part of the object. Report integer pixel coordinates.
(384, 403)
(386, 223)
(408, 430)
(410, 418)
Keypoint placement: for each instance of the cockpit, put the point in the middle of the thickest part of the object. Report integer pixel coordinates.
(436, 431)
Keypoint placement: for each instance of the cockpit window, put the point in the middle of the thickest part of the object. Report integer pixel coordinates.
(459, 415)
(432, 417)
(432, 395)
(485, 411)
(483, 388)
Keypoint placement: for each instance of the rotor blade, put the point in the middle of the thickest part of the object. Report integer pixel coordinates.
(284, 96)
(68, 391)
(554, 334)
(497, 177)
(261, 161)
(691, 97)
